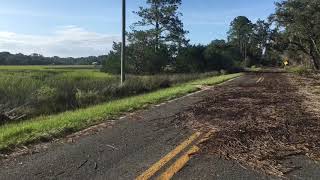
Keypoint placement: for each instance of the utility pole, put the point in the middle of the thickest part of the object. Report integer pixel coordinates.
(123, 47)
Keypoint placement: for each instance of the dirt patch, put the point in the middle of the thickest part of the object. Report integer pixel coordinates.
(260, 124)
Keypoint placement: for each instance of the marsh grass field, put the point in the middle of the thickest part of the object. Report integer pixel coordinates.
(49, 67)
(31, 91)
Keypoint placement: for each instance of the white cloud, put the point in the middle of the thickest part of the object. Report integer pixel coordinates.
(65, 41)
(8, 12)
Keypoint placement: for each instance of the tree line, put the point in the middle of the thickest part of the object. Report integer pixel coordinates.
(298, 37)
(158, 43)
(7, 58)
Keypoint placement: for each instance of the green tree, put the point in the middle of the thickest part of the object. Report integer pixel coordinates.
(261, 36)
(190, 59)
(240, 33)
(161, 21)
(301, 21)
(220, 55)
(112, 62)
(142, 57)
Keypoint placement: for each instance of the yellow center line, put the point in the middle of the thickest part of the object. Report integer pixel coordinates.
(179, 164)
(183, 160)
(206, 136)
(258, 80)
(158, 165)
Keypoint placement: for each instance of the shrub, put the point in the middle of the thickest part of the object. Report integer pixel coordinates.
(43, 100)
(220, 55)
(190, 59)
(85, 98)
(301, 70)
(112, 63)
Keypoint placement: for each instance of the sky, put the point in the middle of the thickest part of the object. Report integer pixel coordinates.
(78, 28)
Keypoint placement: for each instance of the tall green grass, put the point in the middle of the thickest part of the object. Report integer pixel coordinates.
(41, 92)
(54, 67)
(46, 92)
(47, 127)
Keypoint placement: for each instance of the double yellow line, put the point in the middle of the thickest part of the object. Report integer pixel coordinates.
(261, 79)
(179, 163)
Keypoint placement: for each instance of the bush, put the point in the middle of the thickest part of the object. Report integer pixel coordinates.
(190, 59)
(112, 64)
(301, 70)
(140, 59)
(143, 59)
(43, 100)
(85, 98)
(215, 60)
(221, 55)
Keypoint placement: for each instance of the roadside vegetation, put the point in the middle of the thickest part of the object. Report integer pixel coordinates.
(34, 91)
(52, 126)
(299, 69)
(48, 67)
(297, 35)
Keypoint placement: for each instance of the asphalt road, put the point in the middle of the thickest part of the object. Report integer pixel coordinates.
(129, 147)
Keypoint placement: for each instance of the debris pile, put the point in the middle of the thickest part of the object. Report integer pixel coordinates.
(260, 125)
(9, 115)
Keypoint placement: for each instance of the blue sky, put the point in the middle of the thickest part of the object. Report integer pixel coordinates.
(88, 27)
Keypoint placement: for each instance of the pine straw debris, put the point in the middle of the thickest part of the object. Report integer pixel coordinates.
(260, 125)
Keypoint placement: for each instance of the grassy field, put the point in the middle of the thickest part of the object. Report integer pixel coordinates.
(52, 67)
(48, 127)
(32, 91)
(38, 90)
